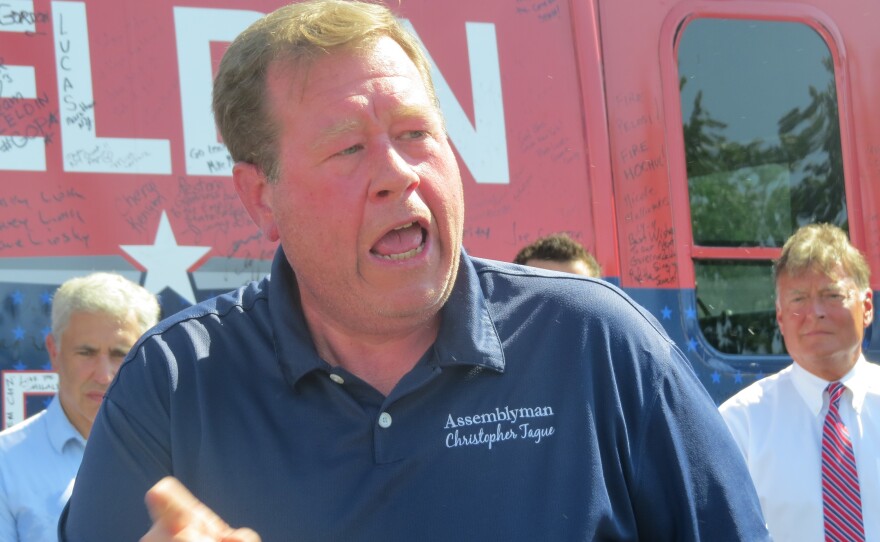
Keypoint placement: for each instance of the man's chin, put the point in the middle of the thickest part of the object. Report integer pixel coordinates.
(95, 398)
(417, 307)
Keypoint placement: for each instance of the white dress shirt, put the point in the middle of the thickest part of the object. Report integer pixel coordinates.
(39, 458)
(777, 423)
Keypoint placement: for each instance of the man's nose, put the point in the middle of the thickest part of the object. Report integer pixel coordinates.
(105, 369)
(393, 175)
(817, 307)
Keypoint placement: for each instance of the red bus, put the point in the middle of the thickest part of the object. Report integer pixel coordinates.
(681, 141)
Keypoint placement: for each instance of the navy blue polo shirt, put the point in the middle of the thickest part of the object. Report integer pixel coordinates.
(550, 407)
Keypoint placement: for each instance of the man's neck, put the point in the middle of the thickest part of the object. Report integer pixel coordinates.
(831, 369)
(380, 359)
(82, 426)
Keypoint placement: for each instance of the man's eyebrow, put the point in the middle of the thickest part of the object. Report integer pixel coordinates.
(335, 130)
(346, 126)
(834, 288)
(412, 111)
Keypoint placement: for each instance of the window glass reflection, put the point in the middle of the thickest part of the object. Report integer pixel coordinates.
(761, 131)
(736, 306)
(762, 145)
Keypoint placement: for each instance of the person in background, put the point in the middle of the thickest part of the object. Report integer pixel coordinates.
(792, 426)
(382, 384)
(559, 252)
(96, 320)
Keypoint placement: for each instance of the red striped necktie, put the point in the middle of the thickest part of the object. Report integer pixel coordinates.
(840, 481)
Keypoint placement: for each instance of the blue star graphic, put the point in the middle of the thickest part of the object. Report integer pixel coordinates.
(690, 313)
(46, 298)
(18, 333)
(738, 377)
(17, 297)
(667, 313)
(46, 402)
(20, 366)
(759, 375)
(47, 366)
(716, 378)
(692, 345)
(46, 331)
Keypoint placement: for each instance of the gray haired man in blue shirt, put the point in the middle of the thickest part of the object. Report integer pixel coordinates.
(96, 320)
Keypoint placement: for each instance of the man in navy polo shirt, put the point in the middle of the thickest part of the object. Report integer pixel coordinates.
(382, 384)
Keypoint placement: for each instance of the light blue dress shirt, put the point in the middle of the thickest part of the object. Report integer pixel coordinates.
(39, 458)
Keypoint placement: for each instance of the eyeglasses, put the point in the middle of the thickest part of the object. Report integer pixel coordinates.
(828, 299)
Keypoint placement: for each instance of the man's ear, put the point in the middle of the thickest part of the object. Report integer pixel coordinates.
(255, 192)
(779, 315)
(52, 349)
(869, 307)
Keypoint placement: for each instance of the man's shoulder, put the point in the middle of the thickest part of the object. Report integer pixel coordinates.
(870, 373)
(238, 312)
(485, 266)
(242, 300)
(20, 437)
(580, 296)
(758, 394)
(238, 319)
(531, 281)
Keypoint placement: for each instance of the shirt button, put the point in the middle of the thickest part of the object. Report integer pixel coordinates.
(384, 420)
(336, 378)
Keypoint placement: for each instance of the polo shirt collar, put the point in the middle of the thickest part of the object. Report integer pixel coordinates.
(294, 348)
(467, 334)
(811, 388)
(61, 431)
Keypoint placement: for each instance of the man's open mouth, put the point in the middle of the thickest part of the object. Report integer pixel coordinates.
(401, 243)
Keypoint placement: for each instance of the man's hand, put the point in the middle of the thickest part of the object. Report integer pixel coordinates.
(179, 517)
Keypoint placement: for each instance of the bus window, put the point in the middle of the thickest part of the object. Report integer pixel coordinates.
(736, 306)
(762, 144)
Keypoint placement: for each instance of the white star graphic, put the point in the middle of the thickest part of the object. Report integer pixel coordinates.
(167, 262)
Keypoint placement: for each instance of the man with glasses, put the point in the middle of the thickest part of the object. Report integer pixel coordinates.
(811, 433)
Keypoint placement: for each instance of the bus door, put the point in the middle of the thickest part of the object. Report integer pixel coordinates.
(731, 124)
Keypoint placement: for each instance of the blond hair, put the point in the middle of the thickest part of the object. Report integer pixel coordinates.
(822, 247)
(298, 34)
